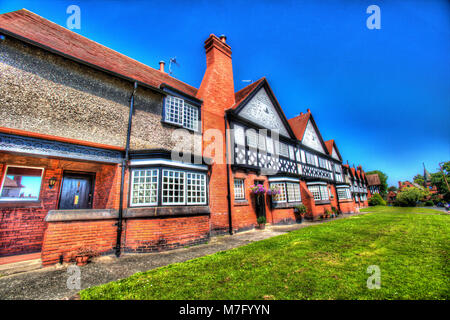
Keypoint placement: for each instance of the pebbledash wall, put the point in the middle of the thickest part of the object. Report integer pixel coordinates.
(63, 112)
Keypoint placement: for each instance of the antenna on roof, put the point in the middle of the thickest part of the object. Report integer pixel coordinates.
(174, 61)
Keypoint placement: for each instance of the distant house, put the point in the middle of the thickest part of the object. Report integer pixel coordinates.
(12, 187)
(374, 183)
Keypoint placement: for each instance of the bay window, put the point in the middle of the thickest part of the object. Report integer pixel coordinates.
(319, 191)
(289, 192)
(164, 186)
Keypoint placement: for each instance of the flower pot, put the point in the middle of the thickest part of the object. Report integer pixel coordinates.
(81, 260)
(262, 226)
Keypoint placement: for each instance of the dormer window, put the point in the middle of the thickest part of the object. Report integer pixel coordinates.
(179, 112)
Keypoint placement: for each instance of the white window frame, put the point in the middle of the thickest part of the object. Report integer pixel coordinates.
(21, 200)
(163, 183)
(251, 138)
(239, 135)
(202, 194)
(315, 191)
(295, 188)
(187, 116)
(239, 189)
(133, 176)
(282, 197)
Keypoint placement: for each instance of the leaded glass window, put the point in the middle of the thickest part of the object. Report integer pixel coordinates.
(144, 187)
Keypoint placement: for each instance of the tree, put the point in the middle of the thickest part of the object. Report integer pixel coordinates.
(392, 188)
(376, 200)
(419, 179)
(409, 196)
(383, 179)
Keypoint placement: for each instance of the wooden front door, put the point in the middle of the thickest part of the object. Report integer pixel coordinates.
(260, 202)
(76, 191)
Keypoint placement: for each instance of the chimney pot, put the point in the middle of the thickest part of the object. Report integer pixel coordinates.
(223, 38)
(301, 113)
(161, 66)
(308, 110)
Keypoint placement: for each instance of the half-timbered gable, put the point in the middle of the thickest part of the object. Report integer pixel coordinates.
(262, 137)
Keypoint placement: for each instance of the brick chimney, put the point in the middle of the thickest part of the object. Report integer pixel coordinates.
(217, 93)
(217, 87)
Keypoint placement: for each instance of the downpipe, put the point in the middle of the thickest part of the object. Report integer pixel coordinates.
(122, 180)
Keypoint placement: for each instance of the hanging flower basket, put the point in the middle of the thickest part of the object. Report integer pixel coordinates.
(257, 189)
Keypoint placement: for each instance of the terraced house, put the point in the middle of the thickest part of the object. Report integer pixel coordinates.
(87, 141)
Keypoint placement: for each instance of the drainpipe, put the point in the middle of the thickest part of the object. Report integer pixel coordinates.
(230, 220)
(124, 167)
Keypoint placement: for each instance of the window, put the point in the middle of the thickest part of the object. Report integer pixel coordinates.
(303, 156)
(239, 135)
(281, 197)
(190, 120)
(291, 153)
(319, 192)
(269, 145)
(179, 112)
(323, 163)
(177, 187)
(284, 150)
(196, 188)
(293, 192)
(343, 193)
(252, 138)
(310, 158)
(21, 184)
(239, 189)
(315, 190)
(144, 189)
(173, 187)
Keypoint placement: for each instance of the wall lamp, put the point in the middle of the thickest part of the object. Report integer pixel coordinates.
(52, 182)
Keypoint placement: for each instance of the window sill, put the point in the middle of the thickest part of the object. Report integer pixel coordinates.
(20, 204)
(346, 200)
(285, 205)
(241, 202)
(322, 201)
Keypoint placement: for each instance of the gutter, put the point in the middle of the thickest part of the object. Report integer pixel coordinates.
(230, 220)
(124, 167)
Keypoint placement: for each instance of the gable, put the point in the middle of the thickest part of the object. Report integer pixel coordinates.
(311, 138)
(261, 111)
(335, 155)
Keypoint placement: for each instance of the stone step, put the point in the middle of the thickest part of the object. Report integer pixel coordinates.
(17, 267)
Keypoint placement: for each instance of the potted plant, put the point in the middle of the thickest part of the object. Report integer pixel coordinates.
(261, 222)
(326, 214)
(299, 212)
(84, 254)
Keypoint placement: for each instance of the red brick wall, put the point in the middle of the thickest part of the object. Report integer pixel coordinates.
(347, 206)
(146, 235)
(64, 238)
(22, 228)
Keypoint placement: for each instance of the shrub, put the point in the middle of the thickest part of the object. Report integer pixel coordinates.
(409, 197)
(301, 209)
(261, 220)
(376, 200)
(429, 203)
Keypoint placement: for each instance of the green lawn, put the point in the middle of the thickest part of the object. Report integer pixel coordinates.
(325, 261)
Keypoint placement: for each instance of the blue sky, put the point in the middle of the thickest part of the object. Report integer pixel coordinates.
(383, 95)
